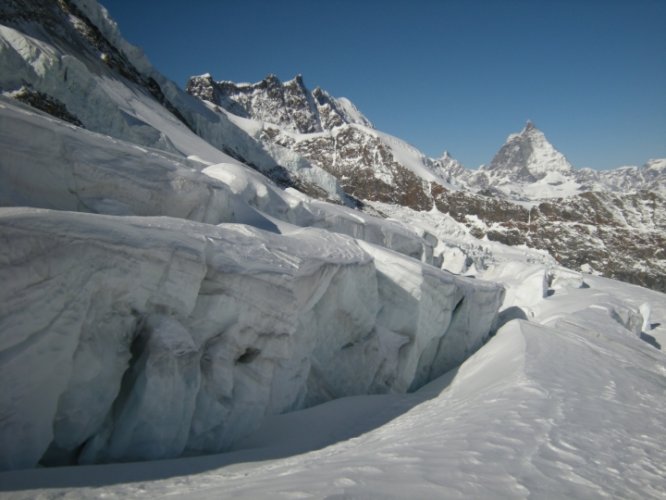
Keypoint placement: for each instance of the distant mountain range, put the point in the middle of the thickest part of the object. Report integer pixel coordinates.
(612, 222)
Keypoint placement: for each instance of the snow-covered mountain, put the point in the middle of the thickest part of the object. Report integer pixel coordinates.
(529, 194)
(140, 270)
(330, 132)
(69, 59)
(290, 105)
(170, 289)
(529, 168)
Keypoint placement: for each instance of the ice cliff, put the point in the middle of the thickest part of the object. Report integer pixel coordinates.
(160, 297)
(134, 338)
(150, 309)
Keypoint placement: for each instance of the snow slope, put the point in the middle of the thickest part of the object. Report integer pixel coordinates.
(330, 132)
(48, 163)
(222, 325)
(72, 54)
(226, 322)
(567, 404)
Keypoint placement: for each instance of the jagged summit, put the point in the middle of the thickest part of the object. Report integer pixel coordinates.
(289, 105)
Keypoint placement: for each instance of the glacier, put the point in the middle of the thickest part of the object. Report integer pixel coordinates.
(109, 320)
(175, 323)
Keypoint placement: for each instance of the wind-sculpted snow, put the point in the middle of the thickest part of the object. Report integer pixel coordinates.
(47, 163)
(129, 338)
(567, 404)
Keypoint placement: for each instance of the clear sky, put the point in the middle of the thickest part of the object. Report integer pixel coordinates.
(441, 74)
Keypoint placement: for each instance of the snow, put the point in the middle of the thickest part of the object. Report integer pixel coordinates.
(407, 155)
(547, 408)
(160, 300)
(351, 113)
(50, 164)
(528, 169)
(221, 324)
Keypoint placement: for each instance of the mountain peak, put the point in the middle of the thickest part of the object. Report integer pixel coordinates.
(445, 155)
(272, 80)
(290, 105)
(528, 157)
(298, 80)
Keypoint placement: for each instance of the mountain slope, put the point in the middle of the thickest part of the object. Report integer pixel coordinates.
(331, 133)
(616, 229)
(70, 54)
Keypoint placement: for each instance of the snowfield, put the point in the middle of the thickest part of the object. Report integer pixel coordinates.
(175, 324)
(566, 405)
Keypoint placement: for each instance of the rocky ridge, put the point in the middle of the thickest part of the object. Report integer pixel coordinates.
(611, 222)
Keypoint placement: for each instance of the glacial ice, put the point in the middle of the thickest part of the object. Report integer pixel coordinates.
(108, 320)
(50, 164)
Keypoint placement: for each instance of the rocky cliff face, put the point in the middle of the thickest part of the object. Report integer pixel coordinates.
(289, 105)
(618, 236)
(330, 133)
(611, 222)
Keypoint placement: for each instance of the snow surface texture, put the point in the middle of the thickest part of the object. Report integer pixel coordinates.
(221, 325)
(191, 305)
(51, 164)
(567, 404)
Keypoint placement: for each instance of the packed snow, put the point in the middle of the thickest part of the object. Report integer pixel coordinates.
(565, 404)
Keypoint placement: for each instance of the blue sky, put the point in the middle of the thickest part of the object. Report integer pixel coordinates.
(458, 75)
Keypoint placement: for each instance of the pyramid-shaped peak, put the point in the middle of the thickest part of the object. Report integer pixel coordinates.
(527, 157)
(529, 132)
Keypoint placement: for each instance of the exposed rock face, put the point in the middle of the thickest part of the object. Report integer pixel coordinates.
(289, 105)
(46, 103)
(364, 165)
(329, 132)
(619, 236)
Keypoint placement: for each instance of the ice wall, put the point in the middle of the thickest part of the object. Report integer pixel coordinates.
(48, 163)
(134, 338)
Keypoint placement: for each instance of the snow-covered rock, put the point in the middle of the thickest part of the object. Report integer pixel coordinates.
(330, 132)
(194, 298)
(72, 54)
